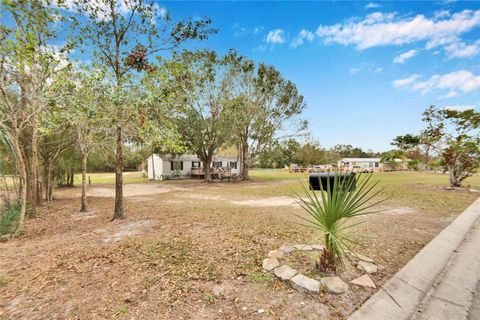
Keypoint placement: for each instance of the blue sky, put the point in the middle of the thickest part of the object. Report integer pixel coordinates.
(366, 69)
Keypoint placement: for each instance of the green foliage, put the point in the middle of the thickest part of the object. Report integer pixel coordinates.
(413, 164)
(310, 154)
(279, 154)
(259, 277)
(7, 160)
(455, 135)
(348, 151)
(202, 87)
(334, 211)
(392, 158)
(9, 220)
(284, 153)
(407, 141)
(3, 281)
(265, 103)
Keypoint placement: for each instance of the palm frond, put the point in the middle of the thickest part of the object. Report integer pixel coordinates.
(349, 197)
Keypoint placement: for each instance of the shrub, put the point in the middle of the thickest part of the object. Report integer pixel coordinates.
(333, 211)
(9, 220)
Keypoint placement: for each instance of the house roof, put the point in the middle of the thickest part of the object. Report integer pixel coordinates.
(359, 159)
(192, 157)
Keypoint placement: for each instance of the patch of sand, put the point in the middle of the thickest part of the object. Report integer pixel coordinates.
(252, 202)
(84, 215)
(124, 230)
(268, 202)
(200, 196)
(399, 211)
(133, 190)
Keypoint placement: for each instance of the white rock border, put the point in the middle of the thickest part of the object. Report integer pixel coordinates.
(301, 282)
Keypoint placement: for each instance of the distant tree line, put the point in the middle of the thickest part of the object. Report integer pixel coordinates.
(290, 151)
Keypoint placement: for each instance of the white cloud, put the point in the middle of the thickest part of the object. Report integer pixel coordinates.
(355, 70)
(372, 5)
(161, 11)
(451, 94)
(456, 83)
(405, 56)
(382, 29)
(302, 36)
(441, 14)
(459, 108)
(367, 67)
(462, 50)
(276, 36)
(405, 81)
(240, 30)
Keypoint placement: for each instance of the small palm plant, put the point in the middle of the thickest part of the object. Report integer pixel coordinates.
(333, 210)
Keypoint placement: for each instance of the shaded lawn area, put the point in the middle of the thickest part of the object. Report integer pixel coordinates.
(196, 250)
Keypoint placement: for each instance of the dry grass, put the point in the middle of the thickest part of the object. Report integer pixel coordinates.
(166, 259)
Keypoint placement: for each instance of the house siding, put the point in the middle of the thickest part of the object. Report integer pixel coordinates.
(166, 169)
(155, 165)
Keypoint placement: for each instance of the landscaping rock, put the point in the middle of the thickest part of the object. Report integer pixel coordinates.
(361, 257)
(285, 272)
(303, 247)
(277, 254)
(287, 249)
(364, 281)
(367, 266)
(270, 264)
(305, 284)
(317, 247)
(334, 285)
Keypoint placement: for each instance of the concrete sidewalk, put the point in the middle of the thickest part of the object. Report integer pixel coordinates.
(440, 283)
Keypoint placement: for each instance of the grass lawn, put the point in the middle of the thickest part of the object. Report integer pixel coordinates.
(193, 250)
(387, 178)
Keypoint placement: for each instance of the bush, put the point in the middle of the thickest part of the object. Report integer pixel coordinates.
(413, 164)
(332, 214)
(9, 220)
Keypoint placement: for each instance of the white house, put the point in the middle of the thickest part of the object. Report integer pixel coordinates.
(360, 164)
(162, 167)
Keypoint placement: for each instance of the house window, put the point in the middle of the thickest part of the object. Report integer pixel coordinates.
(377, 164)
(217, 164)
(233, 164)
(370, 164)
(195, 164)
(176, 165)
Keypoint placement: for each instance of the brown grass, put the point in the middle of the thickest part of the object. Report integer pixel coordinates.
(174, 250)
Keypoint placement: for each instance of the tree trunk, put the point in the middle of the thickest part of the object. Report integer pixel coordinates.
(240, 161)
(22, 172)
(28, 177)
(244, 164)
(48, 175)
(83, 207)
(34, 167)
(119, 210)
(206, 165)
(52, 185)
(453, 177)
(72, 178)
